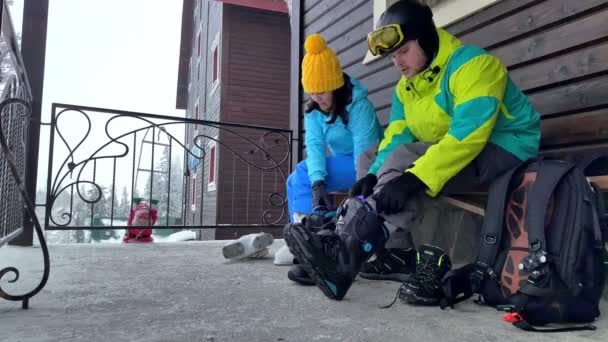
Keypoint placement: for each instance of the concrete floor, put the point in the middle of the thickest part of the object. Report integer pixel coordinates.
(188, 292)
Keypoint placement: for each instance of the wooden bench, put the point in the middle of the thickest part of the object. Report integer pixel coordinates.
(464, 201)
(472, 202)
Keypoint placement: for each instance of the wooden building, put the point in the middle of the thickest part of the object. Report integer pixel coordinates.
(234, 68)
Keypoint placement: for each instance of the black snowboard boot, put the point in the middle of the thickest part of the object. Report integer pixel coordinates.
(298, 274)
(315, 222)
(424, 286)
(395, 264)
(333, 258)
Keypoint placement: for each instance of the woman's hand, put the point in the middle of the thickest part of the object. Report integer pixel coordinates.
(320, 197)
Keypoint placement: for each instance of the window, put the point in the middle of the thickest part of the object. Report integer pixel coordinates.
(194, 157)
(212, 172)
(445, 12)
(189, 74)
(199, 41)
(216, 66)
(196, 110)
(193, 190)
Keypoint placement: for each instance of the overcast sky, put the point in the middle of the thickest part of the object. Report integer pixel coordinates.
(120, 54)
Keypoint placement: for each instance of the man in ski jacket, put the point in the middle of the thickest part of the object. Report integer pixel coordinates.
(457, 121)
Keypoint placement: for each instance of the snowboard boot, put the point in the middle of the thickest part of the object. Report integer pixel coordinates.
(333, 258)
(316, 221)
(424, 286)
(394, 264)
(320, 219)
(298, 274)
(251, 245)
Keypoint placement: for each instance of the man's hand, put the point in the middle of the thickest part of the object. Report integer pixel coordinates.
(320, 197)
(396, 192)
(364, 186)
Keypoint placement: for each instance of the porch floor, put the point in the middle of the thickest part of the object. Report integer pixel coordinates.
(187, 292)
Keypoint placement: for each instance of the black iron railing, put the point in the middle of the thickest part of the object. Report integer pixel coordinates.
(198, 174)
(15, 101)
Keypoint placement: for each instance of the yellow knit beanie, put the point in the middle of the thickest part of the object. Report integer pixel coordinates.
(321, 70)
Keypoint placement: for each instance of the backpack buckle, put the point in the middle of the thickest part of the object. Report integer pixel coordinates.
(479, 274)
(477, 278)
(533, 261)
(505, 307)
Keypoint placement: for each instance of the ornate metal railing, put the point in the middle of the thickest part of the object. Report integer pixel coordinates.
(199, 174)
(16, 206)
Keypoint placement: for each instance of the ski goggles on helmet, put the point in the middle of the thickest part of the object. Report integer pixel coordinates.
(385, 39)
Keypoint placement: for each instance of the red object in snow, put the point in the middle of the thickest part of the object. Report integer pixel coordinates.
(512, 317)
(142, 216)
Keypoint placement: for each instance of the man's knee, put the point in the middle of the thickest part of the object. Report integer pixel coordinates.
(401, 158)
(418, 148)
(368, 155)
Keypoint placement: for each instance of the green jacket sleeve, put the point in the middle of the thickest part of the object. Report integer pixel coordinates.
(478, 88)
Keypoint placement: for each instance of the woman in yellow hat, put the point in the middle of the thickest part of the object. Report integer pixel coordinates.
(457, 122)
(338, 118)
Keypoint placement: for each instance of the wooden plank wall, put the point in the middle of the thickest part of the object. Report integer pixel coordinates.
(255, 91)
(556, 52)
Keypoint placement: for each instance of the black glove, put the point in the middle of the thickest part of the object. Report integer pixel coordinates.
(396, 192)
(320, 197)
(364, 186)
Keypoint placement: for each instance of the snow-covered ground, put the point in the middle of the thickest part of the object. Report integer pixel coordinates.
(113, 236)
(187, 291)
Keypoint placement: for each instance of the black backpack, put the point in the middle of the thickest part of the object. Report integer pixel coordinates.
(542, 249)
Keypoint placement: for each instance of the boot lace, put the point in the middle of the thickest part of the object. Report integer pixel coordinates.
(426, 277)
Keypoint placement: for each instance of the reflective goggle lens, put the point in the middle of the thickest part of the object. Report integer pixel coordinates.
(384, 39)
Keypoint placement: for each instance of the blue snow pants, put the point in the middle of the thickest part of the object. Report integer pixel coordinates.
(341, 175)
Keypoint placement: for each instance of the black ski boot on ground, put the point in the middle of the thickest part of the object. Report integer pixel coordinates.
(298, 274)
(396, 264)
(333, 258)
(424, 286)
(315, 222)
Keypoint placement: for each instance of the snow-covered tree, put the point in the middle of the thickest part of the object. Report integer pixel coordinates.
(161, 190)
(124, 205)
(177, 184)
